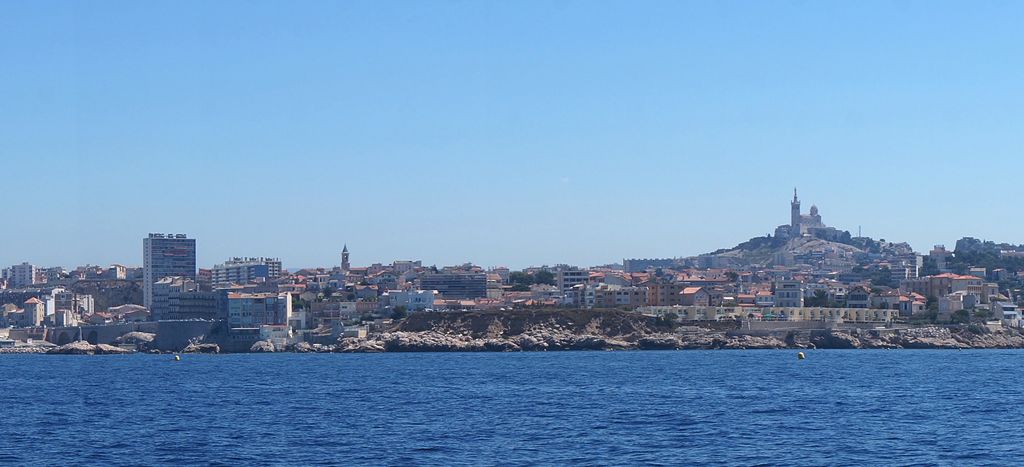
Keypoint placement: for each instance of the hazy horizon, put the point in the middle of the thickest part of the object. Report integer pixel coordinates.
(511, 134)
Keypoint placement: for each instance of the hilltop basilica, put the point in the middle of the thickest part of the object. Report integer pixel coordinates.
(811, 225)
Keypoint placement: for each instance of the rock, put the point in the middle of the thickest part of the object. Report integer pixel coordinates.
(928, 338)
(835, 340)
(501, 345)
(141, 340)
(430, 341)
(702, 341)
(586, 343)
(356, 345)
(597, 343)
(753, 342)
(529, 342)
(201, 348)
(262, 347)
(85, 348)
(1002, 339)
(302, 347)
(104, 349)
(24, 349)
(136, 337)
(658, 342)
(74, 348)
(877, 343)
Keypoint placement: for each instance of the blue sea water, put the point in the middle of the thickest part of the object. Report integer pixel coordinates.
(578, 408)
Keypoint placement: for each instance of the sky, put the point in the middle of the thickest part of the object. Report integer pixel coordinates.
(501, 133)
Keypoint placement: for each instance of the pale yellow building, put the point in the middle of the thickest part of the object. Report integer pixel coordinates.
(697, 313)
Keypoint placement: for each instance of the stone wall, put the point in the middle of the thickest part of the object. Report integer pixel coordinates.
(172, 336)
(94, 334)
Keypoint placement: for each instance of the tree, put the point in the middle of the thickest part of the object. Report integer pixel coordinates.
(820, 299)
(668, 319)
(882, 277)
(544, 277)
(961, 317)
(929, 316)
(399, 313)
(520, 281)
(845, 238)
(733, 276)
(328, 291)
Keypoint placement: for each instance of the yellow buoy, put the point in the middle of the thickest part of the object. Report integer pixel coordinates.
(800, 355)
(177, 358)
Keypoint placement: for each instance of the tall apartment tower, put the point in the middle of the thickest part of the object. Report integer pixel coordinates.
(23, 275)
(166, 255)
(344, 259)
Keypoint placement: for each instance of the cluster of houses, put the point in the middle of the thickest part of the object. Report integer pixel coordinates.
(252, 292)
(314, 298)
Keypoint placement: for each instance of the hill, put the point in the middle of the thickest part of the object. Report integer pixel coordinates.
(763, 251)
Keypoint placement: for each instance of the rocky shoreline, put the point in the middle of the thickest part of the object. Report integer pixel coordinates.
(562, 330)
(912, 338)
(74, 348)
(615, 330)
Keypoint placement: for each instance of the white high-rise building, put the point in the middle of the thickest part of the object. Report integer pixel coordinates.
(166, 255)
(567, 277)
(23, 275)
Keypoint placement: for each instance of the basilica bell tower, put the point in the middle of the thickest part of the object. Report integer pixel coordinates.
(794, 213)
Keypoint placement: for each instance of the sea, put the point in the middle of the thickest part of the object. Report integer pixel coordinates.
(753, 407)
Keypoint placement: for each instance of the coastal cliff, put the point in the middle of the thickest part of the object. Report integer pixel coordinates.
(573, 329)
(542, 330)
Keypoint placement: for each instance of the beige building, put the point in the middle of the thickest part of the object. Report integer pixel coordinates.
(695, 296)
(35, 312)
(614, 296)
(663, 294)
(699, 313)
(789, 293)
(65, 318)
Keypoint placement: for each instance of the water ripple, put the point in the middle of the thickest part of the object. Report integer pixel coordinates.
(563, 408)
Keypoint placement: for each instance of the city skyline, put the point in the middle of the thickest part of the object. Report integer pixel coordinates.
(343, 255)
(344, 251)
(412, 131)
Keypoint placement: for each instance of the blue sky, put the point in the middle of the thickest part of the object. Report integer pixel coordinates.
(503, 133)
